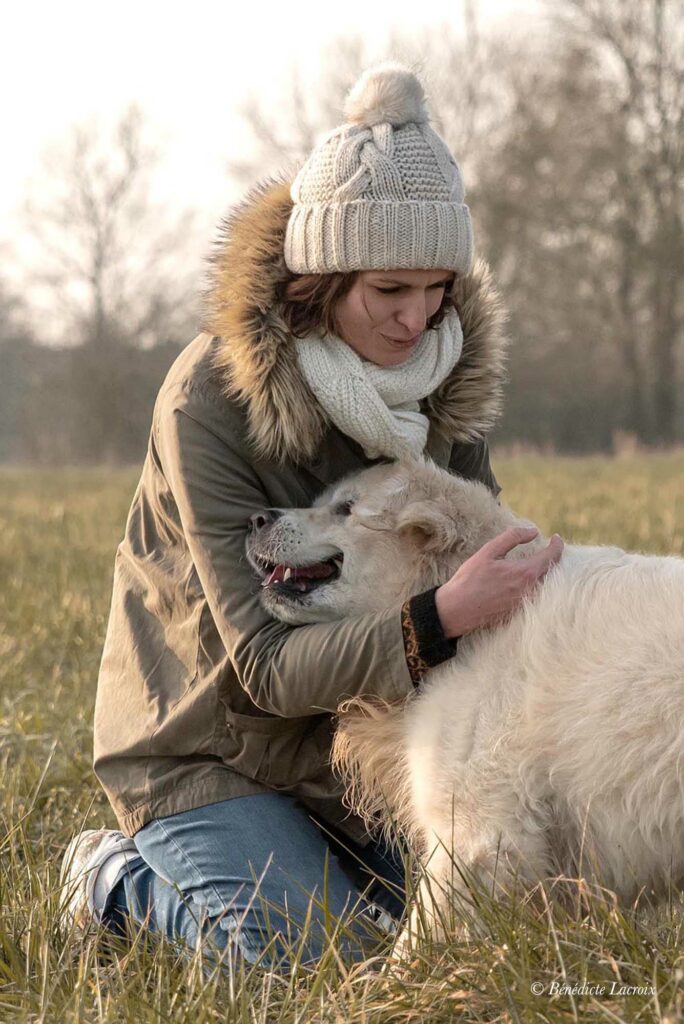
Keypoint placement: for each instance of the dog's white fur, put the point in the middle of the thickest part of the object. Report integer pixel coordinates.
(551, 744)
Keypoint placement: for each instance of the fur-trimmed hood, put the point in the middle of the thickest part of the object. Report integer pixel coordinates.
(257, 358)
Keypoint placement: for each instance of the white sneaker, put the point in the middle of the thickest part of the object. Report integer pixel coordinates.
(382, 919)
(93, 862)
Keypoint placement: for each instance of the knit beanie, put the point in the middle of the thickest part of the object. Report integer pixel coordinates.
(381, 192)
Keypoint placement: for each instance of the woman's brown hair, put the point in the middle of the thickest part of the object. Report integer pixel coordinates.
(308, 302)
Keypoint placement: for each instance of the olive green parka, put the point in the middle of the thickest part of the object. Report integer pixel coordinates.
(201, 695)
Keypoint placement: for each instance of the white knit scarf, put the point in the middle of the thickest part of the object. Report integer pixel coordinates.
(378, 405)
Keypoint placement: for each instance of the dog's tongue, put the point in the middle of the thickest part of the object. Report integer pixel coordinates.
(317, 571)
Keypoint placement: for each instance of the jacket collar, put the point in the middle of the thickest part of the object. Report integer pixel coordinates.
(256, 357)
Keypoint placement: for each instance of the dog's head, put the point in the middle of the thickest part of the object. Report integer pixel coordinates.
(372, 539)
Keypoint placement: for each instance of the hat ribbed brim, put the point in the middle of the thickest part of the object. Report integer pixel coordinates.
(323, 238)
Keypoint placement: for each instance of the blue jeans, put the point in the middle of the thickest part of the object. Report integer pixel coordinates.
(255, 877)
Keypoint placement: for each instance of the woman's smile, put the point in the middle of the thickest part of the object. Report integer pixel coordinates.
(402, 341)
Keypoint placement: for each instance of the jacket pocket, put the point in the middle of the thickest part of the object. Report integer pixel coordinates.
(280, 752)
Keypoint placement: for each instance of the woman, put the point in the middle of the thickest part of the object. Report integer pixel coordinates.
(345, 325)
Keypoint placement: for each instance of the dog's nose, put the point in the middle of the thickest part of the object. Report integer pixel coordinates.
(264, 518)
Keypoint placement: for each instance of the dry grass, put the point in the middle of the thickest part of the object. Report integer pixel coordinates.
(58, 533)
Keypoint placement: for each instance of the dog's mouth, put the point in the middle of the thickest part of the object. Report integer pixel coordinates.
(295, 580)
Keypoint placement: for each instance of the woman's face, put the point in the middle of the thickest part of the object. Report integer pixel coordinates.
(386, 311)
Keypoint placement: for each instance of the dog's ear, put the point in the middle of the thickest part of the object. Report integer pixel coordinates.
(426, 524)
(380, 513)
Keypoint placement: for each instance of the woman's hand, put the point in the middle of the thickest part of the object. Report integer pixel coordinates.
(488, 585)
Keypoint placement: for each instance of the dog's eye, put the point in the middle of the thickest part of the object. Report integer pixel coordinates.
(344, 508)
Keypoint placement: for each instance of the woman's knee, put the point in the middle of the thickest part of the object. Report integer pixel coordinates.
(264, 922)
(276, 886)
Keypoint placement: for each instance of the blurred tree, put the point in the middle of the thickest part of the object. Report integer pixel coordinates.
(582, 213)
(283, 138)
(113, 260)
(15, 349)
(641, 43)
(546, 218)
(112, 265)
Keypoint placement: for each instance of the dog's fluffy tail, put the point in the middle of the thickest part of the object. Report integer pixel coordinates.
(369, 753)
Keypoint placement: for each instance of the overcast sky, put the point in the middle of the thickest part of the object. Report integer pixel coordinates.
(187, 65)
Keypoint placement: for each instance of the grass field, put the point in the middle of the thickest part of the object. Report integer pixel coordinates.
(58, 533)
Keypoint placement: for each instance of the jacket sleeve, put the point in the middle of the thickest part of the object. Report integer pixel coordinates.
(286, 670)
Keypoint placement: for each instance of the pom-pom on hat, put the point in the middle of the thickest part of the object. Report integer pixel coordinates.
(381, 192)
(388, 94)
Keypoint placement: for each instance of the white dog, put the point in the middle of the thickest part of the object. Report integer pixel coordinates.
(550, 744)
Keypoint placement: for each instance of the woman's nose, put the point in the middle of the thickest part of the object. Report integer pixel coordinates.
(414, 317)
